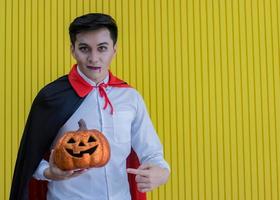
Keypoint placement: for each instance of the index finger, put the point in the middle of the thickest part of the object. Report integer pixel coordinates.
(137, 171)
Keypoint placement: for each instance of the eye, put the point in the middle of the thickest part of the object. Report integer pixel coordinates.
(71, 141)
(91, 139)
(102, 48)
(84, 49)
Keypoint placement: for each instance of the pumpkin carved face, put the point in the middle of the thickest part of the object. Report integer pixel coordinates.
(81, 149)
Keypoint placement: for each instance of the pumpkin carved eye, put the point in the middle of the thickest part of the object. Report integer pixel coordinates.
(82, 149)
(71, 141)
(91, 139)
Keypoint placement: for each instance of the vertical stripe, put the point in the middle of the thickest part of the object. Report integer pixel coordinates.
(3, 11)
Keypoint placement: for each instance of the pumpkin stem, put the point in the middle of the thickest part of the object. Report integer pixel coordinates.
(82, 125)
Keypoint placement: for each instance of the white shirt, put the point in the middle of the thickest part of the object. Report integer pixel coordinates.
(129, 126)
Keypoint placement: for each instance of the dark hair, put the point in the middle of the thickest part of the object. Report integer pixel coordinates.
(93, 21)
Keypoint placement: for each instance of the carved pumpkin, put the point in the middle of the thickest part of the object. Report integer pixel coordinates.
(81, 149)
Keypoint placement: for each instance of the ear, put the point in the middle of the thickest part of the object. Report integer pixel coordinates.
(72, 48)
(115, 48)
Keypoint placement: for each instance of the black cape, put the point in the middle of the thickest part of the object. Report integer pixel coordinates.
(51, 108)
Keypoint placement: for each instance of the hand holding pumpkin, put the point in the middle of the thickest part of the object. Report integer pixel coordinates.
(149, 176)
(54, 173)
(76, 151)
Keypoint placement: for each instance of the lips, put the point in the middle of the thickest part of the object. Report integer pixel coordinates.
(94, 67)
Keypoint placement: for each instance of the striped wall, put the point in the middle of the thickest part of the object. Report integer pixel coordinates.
(208, 70)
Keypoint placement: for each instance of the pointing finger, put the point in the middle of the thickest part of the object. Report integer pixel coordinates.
(137, 171)
(145, 166)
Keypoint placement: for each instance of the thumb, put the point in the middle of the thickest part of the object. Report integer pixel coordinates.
(51, 159)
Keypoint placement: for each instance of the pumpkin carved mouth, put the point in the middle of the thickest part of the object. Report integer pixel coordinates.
(79, 155)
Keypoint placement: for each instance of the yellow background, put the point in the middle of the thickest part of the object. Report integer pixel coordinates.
(208, 70)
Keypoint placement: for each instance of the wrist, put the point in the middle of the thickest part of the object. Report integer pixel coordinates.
(47, 174)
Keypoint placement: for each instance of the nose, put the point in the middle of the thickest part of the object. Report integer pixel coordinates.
(93, 57)
(82, 144)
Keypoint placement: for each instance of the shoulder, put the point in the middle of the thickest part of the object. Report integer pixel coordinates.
(126, 97)
(128, 92)
(56, 85)
(55, 88)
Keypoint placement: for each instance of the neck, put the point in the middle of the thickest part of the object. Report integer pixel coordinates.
(92, 81)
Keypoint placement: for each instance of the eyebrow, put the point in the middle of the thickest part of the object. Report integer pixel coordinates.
(100, 44)
(81, 44)
(103, 43)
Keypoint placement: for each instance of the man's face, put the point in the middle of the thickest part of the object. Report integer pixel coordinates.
(94, 51)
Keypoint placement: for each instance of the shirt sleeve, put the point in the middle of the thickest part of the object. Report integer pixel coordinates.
(145, 140)
(39, 173)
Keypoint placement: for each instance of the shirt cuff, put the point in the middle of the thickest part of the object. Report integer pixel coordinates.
(164, 165)
(39, 173)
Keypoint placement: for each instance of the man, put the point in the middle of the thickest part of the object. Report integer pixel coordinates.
(106, 103)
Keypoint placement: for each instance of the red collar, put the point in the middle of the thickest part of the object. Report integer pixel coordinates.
(83, 88)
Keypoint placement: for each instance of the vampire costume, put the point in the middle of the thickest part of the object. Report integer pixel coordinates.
(51, 108)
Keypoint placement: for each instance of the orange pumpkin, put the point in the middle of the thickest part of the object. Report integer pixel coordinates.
(81, 149)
